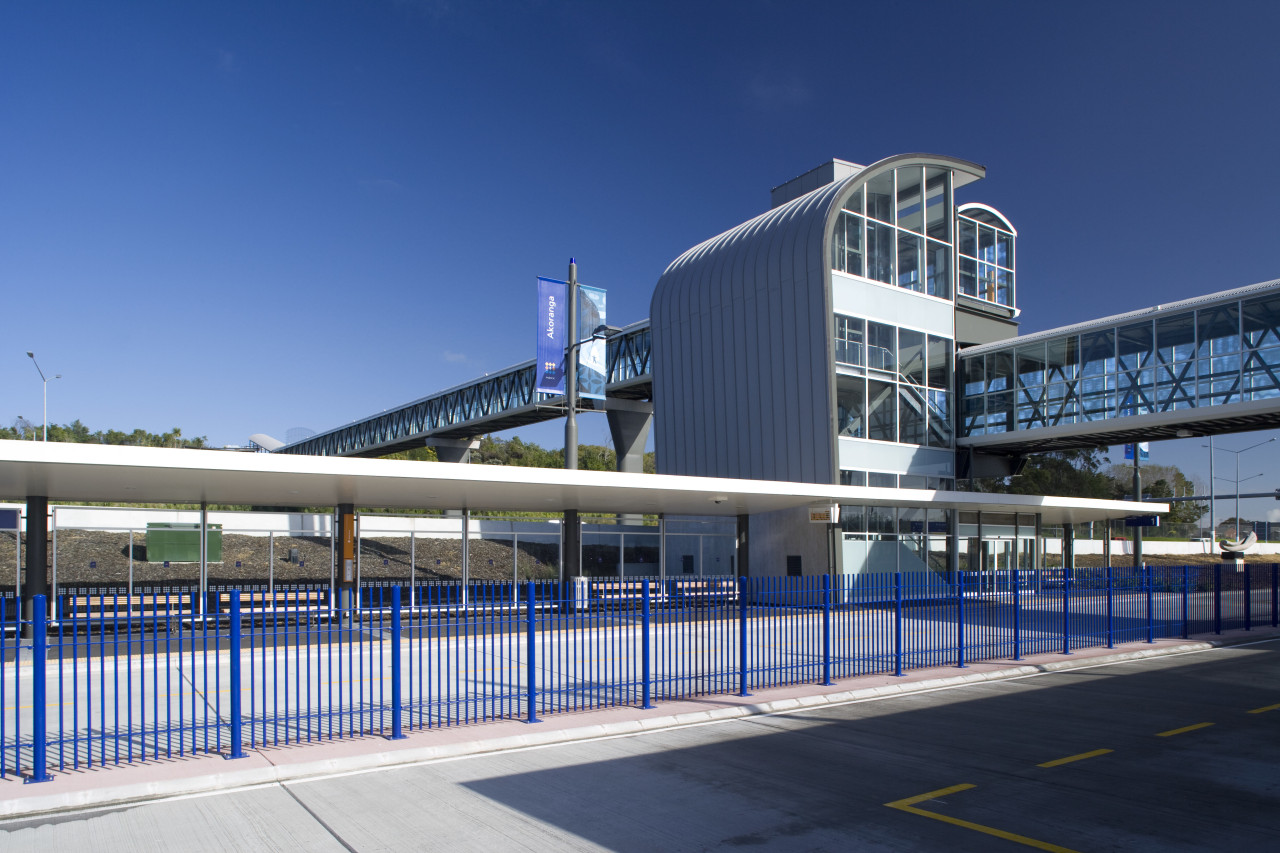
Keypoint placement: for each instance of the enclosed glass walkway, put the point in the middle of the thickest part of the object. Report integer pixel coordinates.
(1197, 367)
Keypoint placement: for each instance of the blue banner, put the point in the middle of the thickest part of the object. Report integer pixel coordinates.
(553, 320)
(591, 355)
(1144, 450)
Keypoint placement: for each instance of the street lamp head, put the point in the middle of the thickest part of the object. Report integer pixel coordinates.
(30, 354)
(59, 376)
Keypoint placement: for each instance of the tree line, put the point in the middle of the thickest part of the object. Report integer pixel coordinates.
(77, 433)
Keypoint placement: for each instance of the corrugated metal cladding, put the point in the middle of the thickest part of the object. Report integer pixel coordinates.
(742, 365)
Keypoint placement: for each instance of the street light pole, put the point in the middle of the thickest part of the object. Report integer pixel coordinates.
(45, 380)
(1238, 454)
(571, 375)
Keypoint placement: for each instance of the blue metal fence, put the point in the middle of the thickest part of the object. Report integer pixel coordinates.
(117, 678)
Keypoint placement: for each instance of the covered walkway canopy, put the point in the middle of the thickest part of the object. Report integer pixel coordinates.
(88, 472)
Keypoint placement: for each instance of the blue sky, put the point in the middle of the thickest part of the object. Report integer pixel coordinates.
(241, 217)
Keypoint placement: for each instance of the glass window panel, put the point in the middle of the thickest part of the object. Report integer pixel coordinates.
(1134, 344)
(853, 245)
(851, 406)
(1004, 249)
(838, 245)
(937, 216)
(880, 252)
(913, 481)
(974, 376)
(910, 203)
(1030, 408)
(882, 519)
(911, 414)
(849, 340)
(969, 277)
(938, 267)
(975, 415)
(939, 418)
(1176, 338)
(939, 362)
(987, 244)
(1000, 371)
(853, 518)
(1261, 321)
(881, 347)
(1062, 359)
(881, 480)
(968, 236)
(910, 248)
(1004, 288)
(999, 412)
(1218, 329)
(986, 282)
(882, 408)
(880, 197)
(1031, 365)
(1097, 353)
(854, 204)
(911, 355)
(853, 478)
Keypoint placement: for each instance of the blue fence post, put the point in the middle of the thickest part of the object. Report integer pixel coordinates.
(1017, 614)
(826, 630)
(237, 721)
(1066, 610)
(397, 701)
(531, 654)
(1217, 598)
(1248, 599)
(1186, 601)
(646, 675)
(742, 637)
(1110, 637)
(1151, 605)
(960, 619)
(1275, 605)
(897, 623)
(39, 716)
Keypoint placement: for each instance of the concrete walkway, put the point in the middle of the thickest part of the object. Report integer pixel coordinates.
(203, 774)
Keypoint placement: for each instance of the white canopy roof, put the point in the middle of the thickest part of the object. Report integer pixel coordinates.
(91, 472)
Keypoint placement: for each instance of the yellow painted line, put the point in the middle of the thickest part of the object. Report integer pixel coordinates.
(1183, 730)
(1264, 709)
(1070, 758)
(908, 805)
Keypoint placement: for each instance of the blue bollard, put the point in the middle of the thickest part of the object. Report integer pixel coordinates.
(237, 722)
(397, 704)
(39, 713)
(1017, 616)
(1066, 610)
(1110, 636)
(1151, 606)
(960, 620)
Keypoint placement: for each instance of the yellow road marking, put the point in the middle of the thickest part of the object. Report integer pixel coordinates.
(1264, 709)
(1183, 730)
(908, 805)
(1070, 758)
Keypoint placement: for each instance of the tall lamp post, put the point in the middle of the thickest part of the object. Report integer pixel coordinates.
(603, 331)
(1238, 454)
(45, 380)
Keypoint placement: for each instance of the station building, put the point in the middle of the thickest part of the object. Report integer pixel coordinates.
(817, 343)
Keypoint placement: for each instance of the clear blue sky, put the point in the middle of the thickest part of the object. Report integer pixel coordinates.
(241, 217)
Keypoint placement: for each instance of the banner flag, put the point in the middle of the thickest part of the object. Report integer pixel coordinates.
(591, 355)
(553, 320)
(1144, 451)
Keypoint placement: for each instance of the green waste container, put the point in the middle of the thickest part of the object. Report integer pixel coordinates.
(179, 542)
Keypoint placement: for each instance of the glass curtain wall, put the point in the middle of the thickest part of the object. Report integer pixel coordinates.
(985, 247)
(1217, 355)
(896, 229)
(894, 384)
(894, 539)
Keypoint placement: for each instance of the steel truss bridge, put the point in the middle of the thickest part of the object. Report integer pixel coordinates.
(494, 402)
(1203, 366)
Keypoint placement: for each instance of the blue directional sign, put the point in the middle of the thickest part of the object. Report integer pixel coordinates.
(1142, 521)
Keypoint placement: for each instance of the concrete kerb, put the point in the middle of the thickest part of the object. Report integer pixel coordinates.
(32, 803)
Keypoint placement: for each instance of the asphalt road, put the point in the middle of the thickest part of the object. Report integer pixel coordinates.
(1174, 753)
